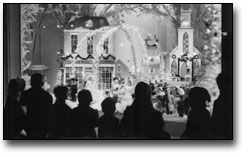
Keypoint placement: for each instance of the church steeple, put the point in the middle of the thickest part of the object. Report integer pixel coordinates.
(185, 59)
(186, 15)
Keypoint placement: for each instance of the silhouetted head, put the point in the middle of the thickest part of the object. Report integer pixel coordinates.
(13, 86)
(36, 80)
(223, 81)
(84, 97)
(108, 105)
(22, 84)
(198, 97)
(61, 92)
(143, 91)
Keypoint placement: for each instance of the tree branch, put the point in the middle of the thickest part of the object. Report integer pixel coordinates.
(36, 33)
(105, 10)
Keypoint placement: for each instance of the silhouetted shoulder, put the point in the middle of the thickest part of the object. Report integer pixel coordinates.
(112, 119)
(94, 110)
(157, 113)
(158, 117)
(23, 96)
(47, 95)
(32, 94)
(128, 109)
(78, 111)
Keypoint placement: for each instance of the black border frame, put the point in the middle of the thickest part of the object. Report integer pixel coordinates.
(227, 57)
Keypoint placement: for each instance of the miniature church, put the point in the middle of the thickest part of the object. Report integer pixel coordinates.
(185, 58)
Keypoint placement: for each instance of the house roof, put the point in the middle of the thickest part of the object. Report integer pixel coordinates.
(77, 22)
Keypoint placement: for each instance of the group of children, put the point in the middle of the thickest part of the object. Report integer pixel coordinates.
(82, 121)
(33, 112)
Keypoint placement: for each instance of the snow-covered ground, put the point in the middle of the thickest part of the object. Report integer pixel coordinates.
(98, 97)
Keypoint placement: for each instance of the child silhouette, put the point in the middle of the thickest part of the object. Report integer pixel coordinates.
(108, 123)
(198, 123)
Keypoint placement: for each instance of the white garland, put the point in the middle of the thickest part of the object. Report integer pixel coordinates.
(109, 30)
(108, 33)
(59, 77)
(131, 47)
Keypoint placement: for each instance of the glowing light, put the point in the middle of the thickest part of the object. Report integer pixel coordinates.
(208, 31)
(185, 23)
(133, 69)
(44, 26)
(138, 70)
(89, 23)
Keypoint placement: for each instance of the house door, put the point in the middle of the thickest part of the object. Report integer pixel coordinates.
(184, 69)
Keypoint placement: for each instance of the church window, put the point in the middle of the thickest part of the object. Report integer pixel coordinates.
(196, 66)
(185, 43)
(174, 68)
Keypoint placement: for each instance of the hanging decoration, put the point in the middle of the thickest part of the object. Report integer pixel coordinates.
(132, 50)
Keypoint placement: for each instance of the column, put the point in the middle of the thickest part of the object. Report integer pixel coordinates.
(12, 44)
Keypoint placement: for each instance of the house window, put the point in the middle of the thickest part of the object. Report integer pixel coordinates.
(185, 43)
(105, 77)
(106, 46)
(90, 45)
(119, 68)
(74, 41)
(78, 74)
